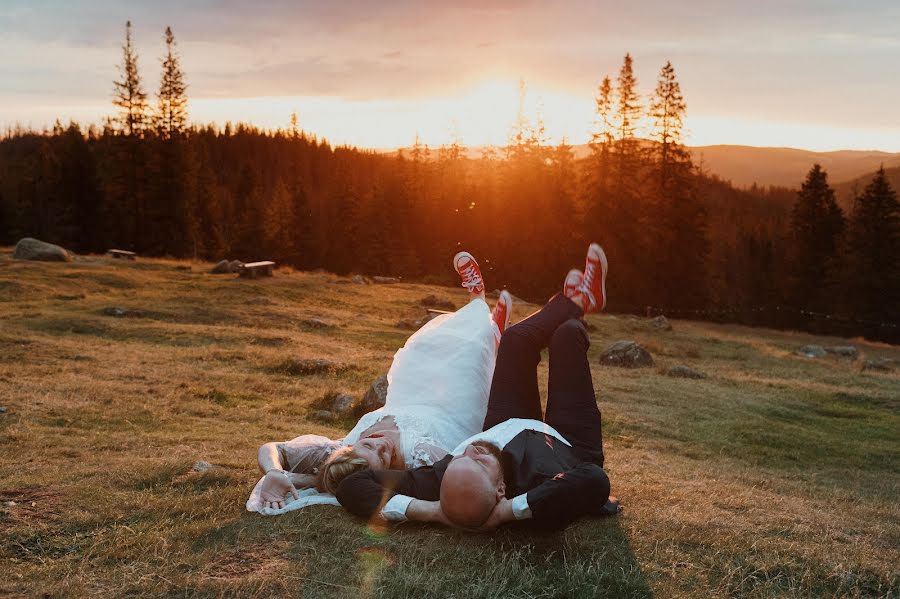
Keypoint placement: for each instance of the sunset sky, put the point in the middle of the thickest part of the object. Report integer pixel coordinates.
(816, 74)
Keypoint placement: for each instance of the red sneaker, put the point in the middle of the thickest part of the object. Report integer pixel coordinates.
(502, 311)
(595, 269)
(468, 270)
(573, 282)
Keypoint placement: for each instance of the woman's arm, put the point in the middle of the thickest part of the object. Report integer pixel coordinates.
(269, 458)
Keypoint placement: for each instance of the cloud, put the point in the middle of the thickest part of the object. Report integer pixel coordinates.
(783, 60)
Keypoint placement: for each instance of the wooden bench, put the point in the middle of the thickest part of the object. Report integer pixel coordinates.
(256, 269)
(123, 254)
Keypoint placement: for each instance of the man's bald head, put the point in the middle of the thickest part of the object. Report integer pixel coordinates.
(472, 486)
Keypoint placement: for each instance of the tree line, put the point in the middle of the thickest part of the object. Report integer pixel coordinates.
(680, 241)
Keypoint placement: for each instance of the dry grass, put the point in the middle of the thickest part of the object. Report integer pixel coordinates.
(775, 476)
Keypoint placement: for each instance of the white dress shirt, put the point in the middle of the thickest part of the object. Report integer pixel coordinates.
(395, 508)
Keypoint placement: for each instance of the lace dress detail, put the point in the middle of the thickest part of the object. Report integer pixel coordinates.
(438, 385)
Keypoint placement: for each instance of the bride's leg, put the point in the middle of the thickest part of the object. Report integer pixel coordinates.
(464, 264)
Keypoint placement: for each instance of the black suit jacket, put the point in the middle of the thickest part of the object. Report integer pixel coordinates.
(560, 485)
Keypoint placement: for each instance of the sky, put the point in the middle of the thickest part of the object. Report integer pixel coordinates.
(814, 74)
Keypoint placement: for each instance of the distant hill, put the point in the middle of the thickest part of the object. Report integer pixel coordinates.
(847, 190)
(787, 167)
(784, 167)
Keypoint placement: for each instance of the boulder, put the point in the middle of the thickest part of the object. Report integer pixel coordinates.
(811, 351)
(359, 280)
(117, 312)
(374, 398)
(684, 372)
(2, 409)
(385, 280)
(202, 466)
(29, 248)
(848, 351)
(340, 403)
(880, 364)
(324, 415)
(409, 324)
(438, 303)
(626, 354)
(224, 267)
(306, 367)
(661, 323)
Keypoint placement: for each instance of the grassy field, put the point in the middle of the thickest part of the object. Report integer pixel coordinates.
(775, 476)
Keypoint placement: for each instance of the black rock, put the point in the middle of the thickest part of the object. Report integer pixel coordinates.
(374, 398)
(439, 303)
(684, 372)
(626, 354)
(306, 367)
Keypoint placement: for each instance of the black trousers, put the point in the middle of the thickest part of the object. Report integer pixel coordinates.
(571, 404)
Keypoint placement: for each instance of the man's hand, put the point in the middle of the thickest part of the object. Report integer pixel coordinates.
(501, 514)
(275, 489)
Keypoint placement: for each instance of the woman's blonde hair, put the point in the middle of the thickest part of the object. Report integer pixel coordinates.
(340, 464)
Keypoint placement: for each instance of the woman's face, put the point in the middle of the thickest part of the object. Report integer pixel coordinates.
(378, 451)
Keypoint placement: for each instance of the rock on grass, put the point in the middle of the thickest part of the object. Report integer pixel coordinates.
(811, 351)
(438, 303)
(880, 364)
(29, 248)
(306, 366)
(684, 372)
(847, 351)
(374, 398)
(661, 323)
(626, 354)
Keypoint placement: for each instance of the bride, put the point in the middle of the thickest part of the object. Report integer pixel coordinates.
(438, 386)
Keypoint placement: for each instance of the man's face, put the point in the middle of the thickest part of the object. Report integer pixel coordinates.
(483, 455)
(377, 451)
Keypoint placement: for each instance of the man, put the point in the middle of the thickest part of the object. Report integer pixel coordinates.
(523, 466)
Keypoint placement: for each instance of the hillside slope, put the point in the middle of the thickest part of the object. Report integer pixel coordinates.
(848, 190)
(774, 476)
(786, 167)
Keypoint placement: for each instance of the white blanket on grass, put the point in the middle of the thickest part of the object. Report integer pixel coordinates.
(307, 497)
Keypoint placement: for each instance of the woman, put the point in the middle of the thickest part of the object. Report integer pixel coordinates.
(437, 397)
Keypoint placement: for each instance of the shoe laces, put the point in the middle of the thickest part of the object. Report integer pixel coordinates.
(471, 277)
(589, 271)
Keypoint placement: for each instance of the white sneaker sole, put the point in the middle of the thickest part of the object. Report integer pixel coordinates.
(604, 265)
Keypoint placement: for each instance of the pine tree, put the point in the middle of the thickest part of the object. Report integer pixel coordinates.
(172, 116)
(628, 113)
(872, 261)
(597, 182)
(668, 109)
(278, 225)
(674, 216)
(816, 226)
(129, 93)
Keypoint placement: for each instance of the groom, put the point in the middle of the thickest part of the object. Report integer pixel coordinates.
(522, 467)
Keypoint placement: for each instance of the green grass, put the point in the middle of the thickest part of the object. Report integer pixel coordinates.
(775, 476)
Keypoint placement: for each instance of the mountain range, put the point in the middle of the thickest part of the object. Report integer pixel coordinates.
(744, 166)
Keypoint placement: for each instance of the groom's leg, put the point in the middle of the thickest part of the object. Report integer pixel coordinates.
(514, 389)
(571, 404)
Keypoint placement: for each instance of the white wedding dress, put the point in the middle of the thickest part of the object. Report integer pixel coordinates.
(438, 387)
